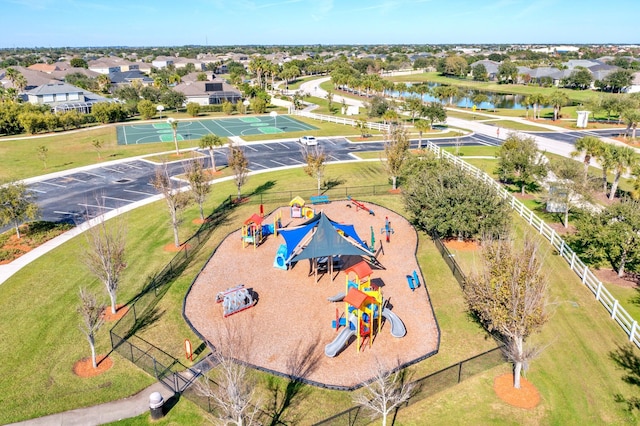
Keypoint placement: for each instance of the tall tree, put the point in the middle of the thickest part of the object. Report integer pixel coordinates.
(588, 147)
(315, 163)
(174, 127)
(507, 72)
(239, 164)
(17, 204)
(571, 189)
(520, 162)
(538, 100)
(421, 126)
(445, 199)
(509, 297)
(176, 199)
(90, 311)
(557, 99)
(607, 162)
(232, 388)
(624, 158)
(210, 142)
(631, 118)
(396, 150)
(200, 188)
(104, 255)
(434, 112)
(387, 391)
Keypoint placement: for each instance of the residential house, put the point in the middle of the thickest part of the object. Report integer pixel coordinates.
(163, 61)
(208, 92)
(491, 67)
(635, 84)
(64, 97)
(127, 78)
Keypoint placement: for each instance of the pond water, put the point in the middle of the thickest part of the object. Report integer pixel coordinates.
(496, 100)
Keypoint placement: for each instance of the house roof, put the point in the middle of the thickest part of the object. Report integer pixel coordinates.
(129, 76)
(54, 88)
(199, 88)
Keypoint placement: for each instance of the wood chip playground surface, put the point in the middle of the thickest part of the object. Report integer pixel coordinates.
(292, 319)
(161, 131)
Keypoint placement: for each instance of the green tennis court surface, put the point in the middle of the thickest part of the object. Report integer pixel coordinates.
(195, 129)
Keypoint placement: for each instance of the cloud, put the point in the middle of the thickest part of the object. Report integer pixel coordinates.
(321, 8)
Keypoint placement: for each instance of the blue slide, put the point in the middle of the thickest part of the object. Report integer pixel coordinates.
(397, 326)
(341, 339)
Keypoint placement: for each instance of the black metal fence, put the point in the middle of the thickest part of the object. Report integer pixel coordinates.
(179, 378)
(426, 386)
(449, 260)
(335, 193)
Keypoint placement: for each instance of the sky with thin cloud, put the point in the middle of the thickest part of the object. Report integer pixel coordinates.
(57, 23)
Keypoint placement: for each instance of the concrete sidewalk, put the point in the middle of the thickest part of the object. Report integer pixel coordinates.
(104, 413)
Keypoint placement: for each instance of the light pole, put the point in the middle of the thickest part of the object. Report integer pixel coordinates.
(275, 118)
(174, 126)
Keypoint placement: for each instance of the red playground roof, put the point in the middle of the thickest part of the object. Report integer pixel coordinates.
(255, 218)
(357, 299)
(361, 269)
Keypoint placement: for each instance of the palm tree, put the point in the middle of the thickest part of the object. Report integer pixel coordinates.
(589, 146)
(558, 99)
(537, 99)
(624, 158)
(631, 118)
(606, 160)
(174, 126)
(421, 126)
(209, 142)
(104, 82)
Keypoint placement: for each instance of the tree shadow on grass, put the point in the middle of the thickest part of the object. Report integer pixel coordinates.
(332, 183)
(285, 395)
(627, 358)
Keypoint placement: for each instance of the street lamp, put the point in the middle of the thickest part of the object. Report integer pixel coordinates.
(174, 126)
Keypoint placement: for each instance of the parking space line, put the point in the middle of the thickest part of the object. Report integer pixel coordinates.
(67, 213)
(52, 184)
(38, 191)
(137, 192)
(260, 165)
(98, 207)
(277, 162)
(284, 145)
(267, 146)
(117, 199)
(113, 170)
(94, 174)
(250, 147)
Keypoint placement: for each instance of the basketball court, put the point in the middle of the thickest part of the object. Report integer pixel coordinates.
(195, 129)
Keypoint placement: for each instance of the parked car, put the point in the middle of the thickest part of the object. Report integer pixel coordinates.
(309, 140)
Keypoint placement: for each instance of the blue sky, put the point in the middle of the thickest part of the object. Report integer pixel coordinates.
(55, 23)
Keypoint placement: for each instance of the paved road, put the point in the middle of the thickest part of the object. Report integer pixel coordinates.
(81, 195)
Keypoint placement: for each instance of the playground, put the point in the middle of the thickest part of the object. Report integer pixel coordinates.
(291, 315)
(161, 131)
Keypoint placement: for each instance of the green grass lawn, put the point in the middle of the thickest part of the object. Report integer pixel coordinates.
(574, 375)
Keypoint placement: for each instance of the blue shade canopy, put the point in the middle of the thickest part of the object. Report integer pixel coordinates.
(325, 241)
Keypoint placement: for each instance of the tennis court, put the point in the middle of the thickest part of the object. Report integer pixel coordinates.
(195, 129)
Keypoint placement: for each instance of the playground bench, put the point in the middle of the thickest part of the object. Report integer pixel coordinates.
(319, 199)
(413, 281)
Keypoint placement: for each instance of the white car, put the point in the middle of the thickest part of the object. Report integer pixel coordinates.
(309, 140)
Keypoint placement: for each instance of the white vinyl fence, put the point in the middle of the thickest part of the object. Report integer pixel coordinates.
(341, 120)
(611, 304)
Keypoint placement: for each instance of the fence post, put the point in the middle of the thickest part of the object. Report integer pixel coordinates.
(573, 260)
(598, 290)
(614, 309)
(633, 330)
(553, 235)
(155, 368)
(459, 372)
(561, 247)
(584, 274)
